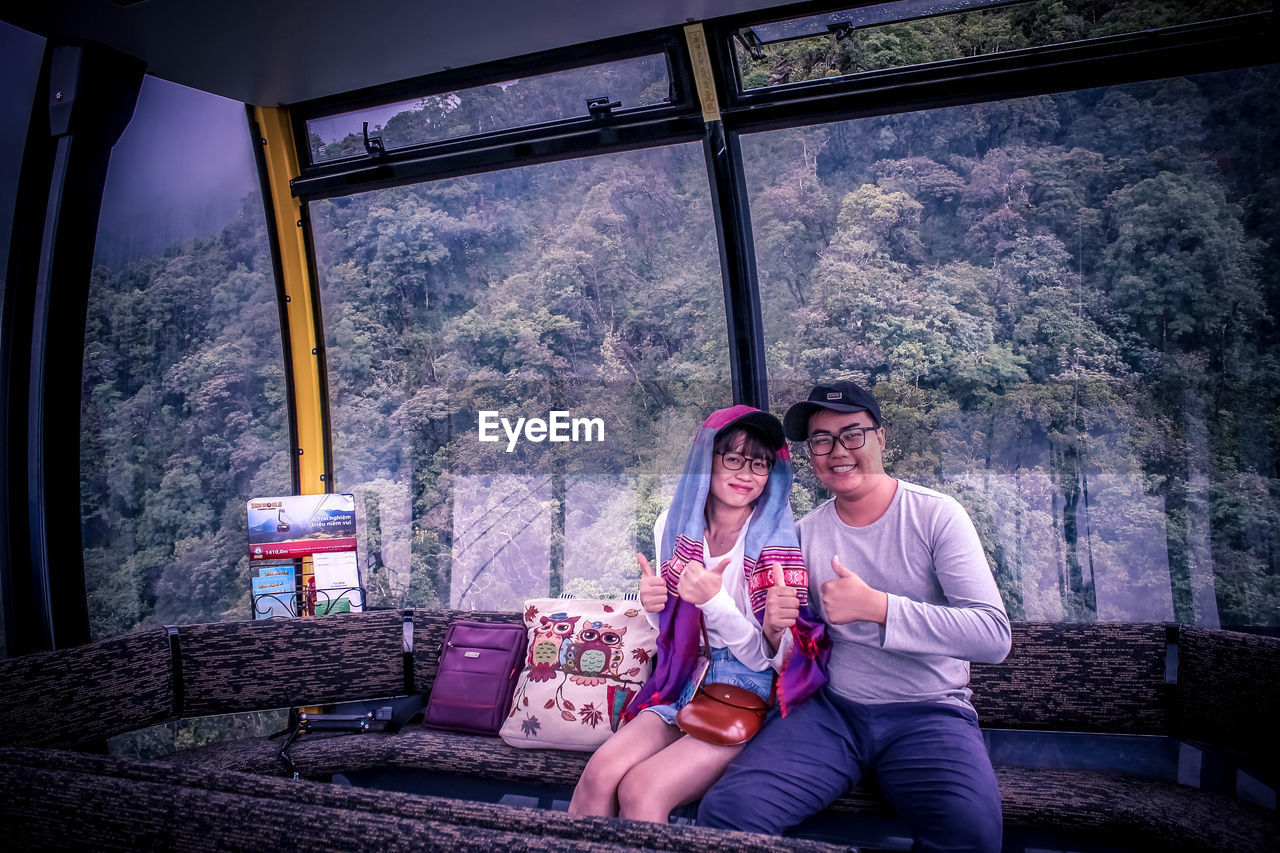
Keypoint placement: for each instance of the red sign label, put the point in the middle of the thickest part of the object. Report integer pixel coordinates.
(300, 548)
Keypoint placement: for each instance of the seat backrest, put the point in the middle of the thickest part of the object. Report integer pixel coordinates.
(75, 696)
(429, 627)
(1229, 690)
(282, 663)
(1106, 677)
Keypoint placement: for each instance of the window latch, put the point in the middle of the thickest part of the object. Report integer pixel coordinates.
(750, 42)
(373, 146)
(841, 29)
(601, 108)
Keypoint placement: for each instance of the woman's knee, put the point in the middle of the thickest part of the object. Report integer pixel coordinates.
(596, 791)
(602, 774)
(639, 798)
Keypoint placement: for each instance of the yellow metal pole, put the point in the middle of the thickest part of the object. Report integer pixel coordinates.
(304, 334)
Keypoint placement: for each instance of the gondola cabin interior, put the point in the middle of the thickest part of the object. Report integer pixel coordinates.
(484, 269)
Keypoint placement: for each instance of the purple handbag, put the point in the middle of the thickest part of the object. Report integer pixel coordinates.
(479, 665)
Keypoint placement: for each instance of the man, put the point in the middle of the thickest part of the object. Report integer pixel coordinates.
(897, 573)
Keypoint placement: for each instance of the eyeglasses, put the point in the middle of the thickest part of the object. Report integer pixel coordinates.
(735, 461)
(851, 438)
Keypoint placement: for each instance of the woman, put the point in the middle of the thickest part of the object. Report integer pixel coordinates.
(728, 531)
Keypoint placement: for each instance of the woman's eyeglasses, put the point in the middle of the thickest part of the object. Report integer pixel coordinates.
(735, 461)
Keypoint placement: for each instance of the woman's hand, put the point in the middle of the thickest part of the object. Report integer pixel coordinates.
(653, 589)
(699, 584)
(781, 609)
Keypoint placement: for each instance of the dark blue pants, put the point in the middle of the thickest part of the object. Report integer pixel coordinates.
(929, 759)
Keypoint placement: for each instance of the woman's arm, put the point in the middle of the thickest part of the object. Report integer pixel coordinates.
(740, 633)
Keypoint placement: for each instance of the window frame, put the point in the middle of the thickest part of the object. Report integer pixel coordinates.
(1215, 45)
(630, 128)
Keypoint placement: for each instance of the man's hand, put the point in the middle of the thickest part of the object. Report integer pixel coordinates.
(653, 589)
(781, 608)
(698, 583)
(849, 599)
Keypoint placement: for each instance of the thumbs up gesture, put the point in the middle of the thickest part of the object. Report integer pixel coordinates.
(653, 589)
(781, 607)
(698, 583)
(847, 598)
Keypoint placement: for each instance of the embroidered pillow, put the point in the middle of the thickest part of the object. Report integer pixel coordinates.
(586, 660)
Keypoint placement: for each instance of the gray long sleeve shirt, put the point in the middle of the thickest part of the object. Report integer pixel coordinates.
(944, 608)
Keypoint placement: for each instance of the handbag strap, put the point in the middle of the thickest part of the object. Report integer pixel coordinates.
(706, 642)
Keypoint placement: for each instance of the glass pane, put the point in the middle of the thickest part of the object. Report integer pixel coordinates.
(588, 288)
(865, 16)
(639, 82)
(1067, 305)
(183, 413)
(165, 738)
(895, 35)
(20, 55)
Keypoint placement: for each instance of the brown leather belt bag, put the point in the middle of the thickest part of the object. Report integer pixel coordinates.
(723, 714)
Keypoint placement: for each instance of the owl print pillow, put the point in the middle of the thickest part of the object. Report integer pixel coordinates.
(587, 658)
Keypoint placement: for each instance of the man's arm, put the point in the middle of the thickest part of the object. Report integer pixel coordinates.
(972, 625)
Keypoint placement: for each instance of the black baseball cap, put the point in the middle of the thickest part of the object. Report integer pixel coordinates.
(834, 396)
(765, 423)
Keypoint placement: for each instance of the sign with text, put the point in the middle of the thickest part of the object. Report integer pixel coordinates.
(292, 526)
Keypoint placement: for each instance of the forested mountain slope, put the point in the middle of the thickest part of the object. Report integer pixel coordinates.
(1067, 303)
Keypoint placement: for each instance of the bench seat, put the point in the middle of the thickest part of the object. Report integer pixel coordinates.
(60, 800)
(1115, 810)
(1176, 686)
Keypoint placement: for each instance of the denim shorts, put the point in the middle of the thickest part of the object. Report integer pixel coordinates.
(725, 669)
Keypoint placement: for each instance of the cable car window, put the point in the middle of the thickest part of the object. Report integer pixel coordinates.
(915, 32)
(20, 54)
(621, 85)
(183, 407)
(511, 358)
(1067, 306)
(166, 738)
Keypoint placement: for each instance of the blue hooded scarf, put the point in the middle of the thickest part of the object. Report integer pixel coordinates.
(771, 546)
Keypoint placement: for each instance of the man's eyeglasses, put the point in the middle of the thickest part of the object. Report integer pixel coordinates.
(735, 461)
(851, 438)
